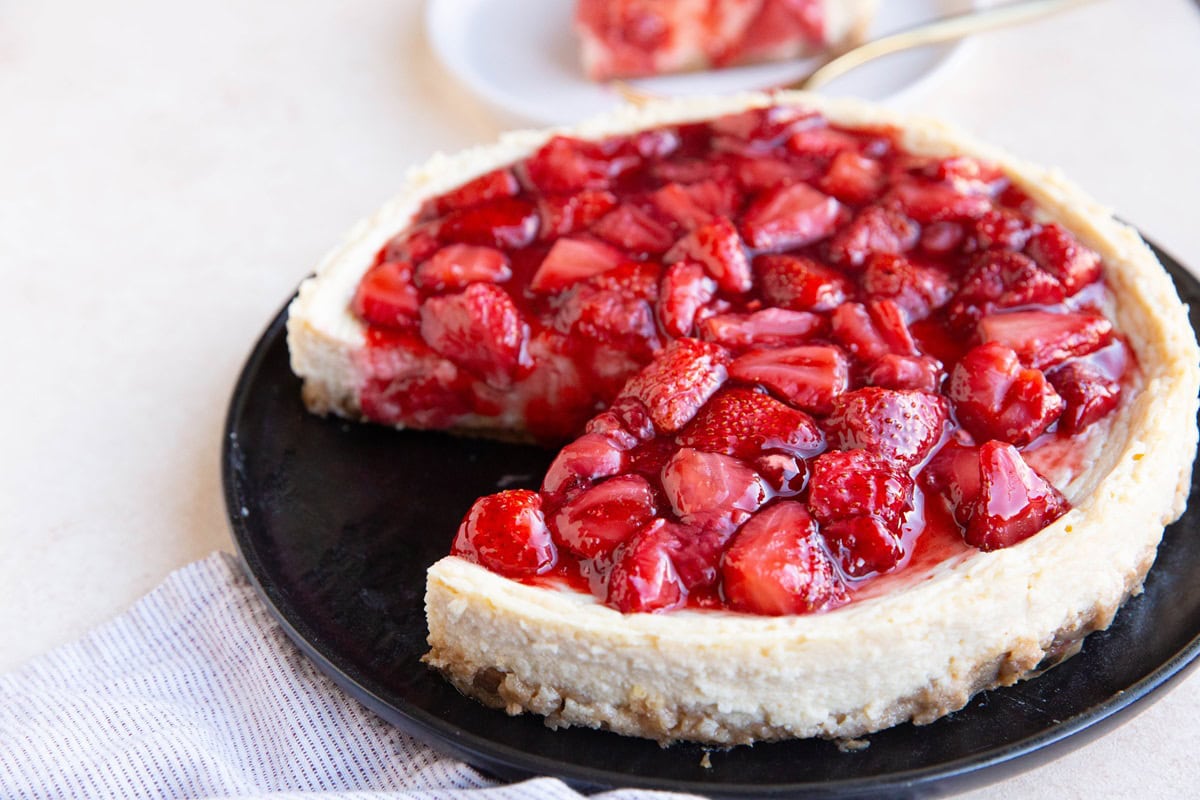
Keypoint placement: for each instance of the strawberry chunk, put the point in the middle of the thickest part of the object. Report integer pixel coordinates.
(776, 565)
(626, 422)
(489, 186)
(1002, 228)
(953, 472)
(1042, 339)
(853, 178)
(587, 459)
(969, 175)
(858, 483)
(719, 249)
(1089, 392)
(1001, 279)
(710, 490)
(771, 327)
(809, 377)
(564, 165)
(863, 545)
(1061, 254)
(901, 426)
(760, 173)
(507, 533)
(916, 288)
(676, 384)
(800, 283)
(479, 329)
(643, 578)
(456, 265)
(386, 296)
(871, 331)
(571, 260)
(759, 129)
(936, 202)
(692, 205)
(789, 216)
(745, 423)
(995, 397)
(565, 214)
(614, 308)
(875, 229)
(820, 142)
(633, 230)
(1014, 503)
(942, 238)
(893, 371)
(686, 288)
(594, 522)
(508, 223)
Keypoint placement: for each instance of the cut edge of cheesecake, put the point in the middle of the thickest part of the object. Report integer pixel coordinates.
(727, 678)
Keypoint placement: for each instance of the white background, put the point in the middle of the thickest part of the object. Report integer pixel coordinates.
(170, 170)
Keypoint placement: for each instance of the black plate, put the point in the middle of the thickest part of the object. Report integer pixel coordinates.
(338, 522)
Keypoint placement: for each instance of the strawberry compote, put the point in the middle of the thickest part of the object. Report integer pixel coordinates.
(793, 357)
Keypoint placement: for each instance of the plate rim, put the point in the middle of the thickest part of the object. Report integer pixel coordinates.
(973, 770)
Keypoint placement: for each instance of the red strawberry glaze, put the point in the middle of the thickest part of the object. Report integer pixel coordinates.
(829, 366)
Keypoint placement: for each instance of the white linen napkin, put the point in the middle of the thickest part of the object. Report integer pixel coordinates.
(196, 692)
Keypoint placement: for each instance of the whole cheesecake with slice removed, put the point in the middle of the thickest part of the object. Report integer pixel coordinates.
(857, 416)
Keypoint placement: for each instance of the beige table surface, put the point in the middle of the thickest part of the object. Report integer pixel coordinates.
(170, 170)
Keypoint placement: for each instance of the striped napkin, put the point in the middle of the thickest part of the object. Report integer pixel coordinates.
(196, 692)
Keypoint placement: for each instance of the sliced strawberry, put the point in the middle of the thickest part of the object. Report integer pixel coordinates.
(507, 533)
(969, 175)
(489, 186)
(893, 371)
(677, 383)
(1002, 228)
(863, 545)
(786, 474)
(633, 230)
(745, 423)
(800, 283)
(710, 490)
(643, 578)
(871, 331)
(901, 426)
(594, 522)
(1061, 254)
(386, 296)
(413, 246)
(759, 129)
(853, 178)
(1002, 279)
(858, 483)
(506, 222)
(875, 229)
(409, 383)
(1015, 502)
(719, 249)
(916, 288)
(571, 260)
(614, 308)
(456, 265)
(589, 458)
(776, 565)
(820, 142)
(995, 397)
(789, 216)
(479, 329)
(626, 422)
(953, 472)
(759, 173)
(691, 170)
(771, 327)
(565, 214)
(942, 238)
(696, 204)
(936, 202)
(696, 553)
(1043, 339)
(686, 288)
(808, 377)
(565, 165)
(1089, 392)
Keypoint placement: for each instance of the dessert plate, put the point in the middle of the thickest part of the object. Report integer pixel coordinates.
(527, 64)
(337, 522)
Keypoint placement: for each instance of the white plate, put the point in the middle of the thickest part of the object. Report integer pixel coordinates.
(522, 56)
